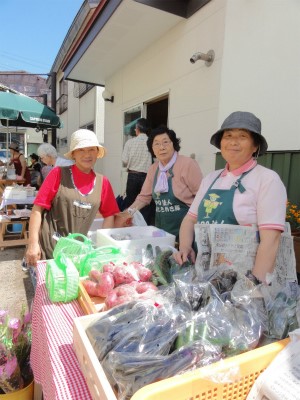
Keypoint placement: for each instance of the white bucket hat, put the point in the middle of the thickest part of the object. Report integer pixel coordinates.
(84, 138)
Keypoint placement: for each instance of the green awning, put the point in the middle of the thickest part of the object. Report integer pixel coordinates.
(21, 110)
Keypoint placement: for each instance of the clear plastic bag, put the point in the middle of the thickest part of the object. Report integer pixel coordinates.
(132, 371)
(282, 313)
(138, 219)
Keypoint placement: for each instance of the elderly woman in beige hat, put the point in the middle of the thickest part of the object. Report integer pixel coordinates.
(70, 197)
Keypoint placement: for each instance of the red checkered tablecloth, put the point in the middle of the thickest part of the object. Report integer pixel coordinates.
(53, 359)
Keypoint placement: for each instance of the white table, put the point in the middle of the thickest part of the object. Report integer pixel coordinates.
(6, 202)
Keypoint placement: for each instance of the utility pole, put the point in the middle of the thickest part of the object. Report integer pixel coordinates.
(53, 104)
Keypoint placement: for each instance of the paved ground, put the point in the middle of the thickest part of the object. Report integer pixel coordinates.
(15, 285)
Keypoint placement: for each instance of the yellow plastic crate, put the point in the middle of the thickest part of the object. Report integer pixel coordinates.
(194, 385)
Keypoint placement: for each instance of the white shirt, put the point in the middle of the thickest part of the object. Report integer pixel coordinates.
(63, 162)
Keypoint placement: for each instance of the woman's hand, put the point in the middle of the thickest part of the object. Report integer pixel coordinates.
(185, 254)
(33, 254)
(186, 238)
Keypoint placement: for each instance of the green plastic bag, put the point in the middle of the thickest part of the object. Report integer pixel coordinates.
(62, 279)
(76, 247)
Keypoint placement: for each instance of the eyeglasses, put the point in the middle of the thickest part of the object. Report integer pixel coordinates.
(164, 144)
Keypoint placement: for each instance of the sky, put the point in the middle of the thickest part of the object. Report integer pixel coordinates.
(32, 32)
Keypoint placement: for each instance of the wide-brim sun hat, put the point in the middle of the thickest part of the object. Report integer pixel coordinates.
(34, 156)
(14, 146)
(241, 120)
(84, 138)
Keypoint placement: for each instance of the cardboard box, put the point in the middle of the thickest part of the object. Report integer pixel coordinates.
(30, 190)
(135, 238)
(190, 385)
(15, 193)
(95, 377)
(89, 305)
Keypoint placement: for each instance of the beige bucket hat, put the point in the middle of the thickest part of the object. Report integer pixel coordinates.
(84, 138)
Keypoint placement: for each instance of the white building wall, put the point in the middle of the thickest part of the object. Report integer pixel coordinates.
(256, 68)
(261, 65)
(70, 117)
(193, 89)
(80, 112)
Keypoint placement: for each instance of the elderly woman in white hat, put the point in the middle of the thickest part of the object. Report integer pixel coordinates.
(70, 197)
(244, 193)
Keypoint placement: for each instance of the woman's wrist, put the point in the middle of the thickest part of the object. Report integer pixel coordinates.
(253, 279)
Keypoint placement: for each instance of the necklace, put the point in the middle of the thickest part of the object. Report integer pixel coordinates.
(76, 188)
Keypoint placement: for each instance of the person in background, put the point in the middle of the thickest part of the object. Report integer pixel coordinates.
(172, 181)
(50, 158)
(70, 197)
(35, 161)
(35, 170)
(18, 160)
(137, 158)
(243, 193)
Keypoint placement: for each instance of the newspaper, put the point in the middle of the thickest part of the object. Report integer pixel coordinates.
(281, 379)
(223, 246)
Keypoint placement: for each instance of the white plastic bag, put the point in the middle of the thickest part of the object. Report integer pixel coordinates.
(138, 219)
(280, 380)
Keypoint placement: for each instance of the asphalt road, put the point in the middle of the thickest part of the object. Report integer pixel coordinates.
(15, 285)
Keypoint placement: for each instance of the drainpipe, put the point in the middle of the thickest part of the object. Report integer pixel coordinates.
(53, 104)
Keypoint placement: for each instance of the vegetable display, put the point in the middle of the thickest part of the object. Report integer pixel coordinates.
(164, 319)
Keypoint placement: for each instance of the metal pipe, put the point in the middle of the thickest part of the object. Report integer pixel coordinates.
(53, 105)
(207, 57)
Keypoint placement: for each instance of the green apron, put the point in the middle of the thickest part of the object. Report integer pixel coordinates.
(216, 206)
(169, 211)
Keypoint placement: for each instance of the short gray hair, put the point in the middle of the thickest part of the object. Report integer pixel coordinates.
(46, 149)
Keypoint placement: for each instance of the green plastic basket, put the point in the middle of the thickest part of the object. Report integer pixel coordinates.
(98, 257)
(74, 246)
(62, 279)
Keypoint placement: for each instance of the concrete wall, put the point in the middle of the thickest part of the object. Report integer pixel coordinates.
(256, 68)
(82, 111)
(193, 89)
(261, 64)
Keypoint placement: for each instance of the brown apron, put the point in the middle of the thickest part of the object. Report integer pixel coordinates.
(68, 213)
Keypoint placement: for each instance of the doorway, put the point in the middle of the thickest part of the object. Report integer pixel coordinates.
(157, 111)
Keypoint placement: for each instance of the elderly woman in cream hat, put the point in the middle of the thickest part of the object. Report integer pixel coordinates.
(243, 193)
(70, 198)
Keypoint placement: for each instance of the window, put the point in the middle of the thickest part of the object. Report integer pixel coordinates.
(89, 126)
(4, 155)
(80, 89)
(130, 118)
(62, 102)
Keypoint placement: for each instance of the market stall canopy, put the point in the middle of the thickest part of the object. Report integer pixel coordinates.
(20, 110)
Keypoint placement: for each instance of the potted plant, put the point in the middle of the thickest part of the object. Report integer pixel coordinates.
(293, 217)
(15, 345)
